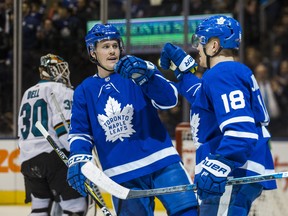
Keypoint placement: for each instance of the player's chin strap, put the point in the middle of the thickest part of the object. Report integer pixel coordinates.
(208, 56)
(98, 64)
(95, 61)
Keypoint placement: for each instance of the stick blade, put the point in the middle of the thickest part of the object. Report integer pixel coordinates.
(40, 127)
(95, 175)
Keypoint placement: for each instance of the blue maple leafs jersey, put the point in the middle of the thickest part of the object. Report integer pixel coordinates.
(121, 120)
(228, 117)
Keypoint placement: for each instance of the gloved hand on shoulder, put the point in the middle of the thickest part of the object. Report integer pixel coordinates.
(134, 68)
(172, 54)
(211, 181)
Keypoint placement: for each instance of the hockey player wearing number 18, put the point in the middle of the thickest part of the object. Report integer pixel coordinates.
(228, 118)
(115, 111)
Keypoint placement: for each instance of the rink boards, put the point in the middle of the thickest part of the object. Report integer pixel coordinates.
(12, 190)
(12, 184)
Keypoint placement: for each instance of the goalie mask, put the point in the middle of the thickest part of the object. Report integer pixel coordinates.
(101, 32)
(226, 29)
(53, 67)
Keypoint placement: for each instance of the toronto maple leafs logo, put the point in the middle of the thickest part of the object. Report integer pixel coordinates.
(221, 20)
(117, 123)
(194, 123)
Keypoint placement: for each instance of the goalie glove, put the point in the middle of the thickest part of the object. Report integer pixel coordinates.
(211, 181)
(75, 178)
(135, 68)
(178, 60)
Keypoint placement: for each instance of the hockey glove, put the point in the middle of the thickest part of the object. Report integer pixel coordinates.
(75, 178)
(135, 68)
(172, 54)
(211, 181)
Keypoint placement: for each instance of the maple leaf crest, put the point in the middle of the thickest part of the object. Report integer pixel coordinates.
(221, 20)
(194, 123)
(117, 123)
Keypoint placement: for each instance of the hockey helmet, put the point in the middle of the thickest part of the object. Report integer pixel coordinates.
(53, 67)
(101, 32)
(226, 29)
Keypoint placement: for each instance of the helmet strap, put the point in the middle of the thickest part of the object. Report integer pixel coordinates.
(97, 63)
(208, 57)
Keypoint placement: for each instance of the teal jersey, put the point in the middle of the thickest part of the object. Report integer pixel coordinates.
(37, 105)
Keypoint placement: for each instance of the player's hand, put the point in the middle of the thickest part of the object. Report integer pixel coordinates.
(211, 181)
(75, 178)
(135, 68)
(172, 54)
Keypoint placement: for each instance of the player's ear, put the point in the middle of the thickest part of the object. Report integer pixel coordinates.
(93, 54)
(215, 45)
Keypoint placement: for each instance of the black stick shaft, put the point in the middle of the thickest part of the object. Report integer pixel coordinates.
(64, 158)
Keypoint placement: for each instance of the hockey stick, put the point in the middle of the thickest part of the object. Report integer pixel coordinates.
(58, 108)
(67, 127)
(59, 111)
(64, 158)
(99, 178)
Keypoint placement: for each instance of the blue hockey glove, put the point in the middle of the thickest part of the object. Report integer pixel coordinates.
(75, 178)
(172, 54)
(211, 181)
(135, 68)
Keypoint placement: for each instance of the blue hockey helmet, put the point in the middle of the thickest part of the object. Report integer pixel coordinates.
(101, 32)
(226, 29)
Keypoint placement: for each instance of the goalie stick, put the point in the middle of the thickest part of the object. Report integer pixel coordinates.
(59, 111)
(64, 158)
(99, 178)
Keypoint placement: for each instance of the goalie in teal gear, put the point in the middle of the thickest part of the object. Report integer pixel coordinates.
(44, 172)
(228, 118)
(115, 111)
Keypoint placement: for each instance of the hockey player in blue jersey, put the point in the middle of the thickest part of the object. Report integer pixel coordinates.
(228, 118)
(115, 111)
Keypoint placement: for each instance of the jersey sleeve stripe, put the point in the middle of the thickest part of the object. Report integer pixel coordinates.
(241, 134)
(265, 132)
(256, 167)
(124, 168)
(74, 138)
(60, 129)
(236, 120)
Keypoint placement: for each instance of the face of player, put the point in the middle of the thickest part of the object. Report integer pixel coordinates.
(210, 49)
(202, 57)
(107, 53)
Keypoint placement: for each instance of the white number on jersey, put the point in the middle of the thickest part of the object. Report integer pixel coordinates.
(234, 101)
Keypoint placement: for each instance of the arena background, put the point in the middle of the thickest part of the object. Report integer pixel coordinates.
(32, 28)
